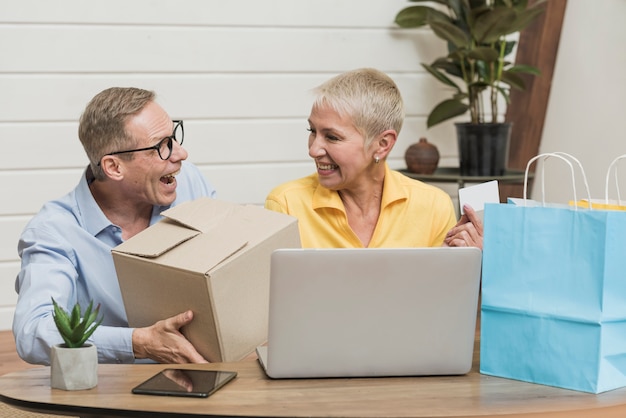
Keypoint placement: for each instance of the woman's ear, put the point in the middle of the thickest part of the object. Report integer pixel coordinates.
(386, 142)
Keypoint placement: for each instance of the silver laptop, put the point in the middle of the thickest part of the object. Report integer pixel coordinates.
(371, 312)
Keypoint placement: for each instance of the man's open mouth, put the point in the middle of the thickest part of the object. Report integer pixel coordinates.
(169, 178)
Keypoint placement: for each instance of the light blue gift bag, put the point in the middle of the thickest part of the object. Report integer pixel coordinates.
(553, 306)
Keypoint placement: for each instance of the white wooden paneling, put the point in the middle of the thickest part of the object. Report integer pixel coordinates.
(40, 145)
(183, 50)
(258, 180)
(50, 145)
(252, 182)
(256, 148)
(194, 96)
(283, 13)
(31, 188)
(238, 73)
(47, 185)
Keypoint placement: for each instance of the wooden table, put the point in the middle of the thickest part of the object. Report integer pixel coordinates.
(253, 394)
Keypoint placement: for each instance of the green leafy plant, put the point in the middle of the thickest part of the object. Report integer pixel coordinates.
(75, 328)
(477, 33)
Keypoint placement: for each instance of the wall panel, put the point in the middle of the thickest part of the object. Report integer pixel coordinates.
(229, 145)
(183, 50)
(238, 73)
(254, 13)
(194, 96)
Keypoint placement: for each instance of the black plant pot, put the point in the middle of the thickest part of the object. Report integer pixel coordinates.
(483, 148)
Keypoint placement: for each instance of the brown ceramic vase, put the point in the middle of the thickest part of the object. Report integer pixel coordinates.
(422, 157)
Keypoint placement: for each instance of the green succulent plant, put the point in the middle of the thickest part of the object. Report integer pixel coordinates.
(476, 32)
(75, 327)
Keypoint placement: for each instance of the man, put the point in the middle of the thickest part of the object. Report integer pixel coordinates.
(137, 170)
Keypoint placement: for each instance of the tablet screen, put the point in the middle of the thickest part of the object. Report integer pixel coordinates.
(184, 382)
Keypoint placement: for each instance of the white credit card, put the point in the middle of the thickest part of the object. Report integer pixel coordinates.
(476, 196)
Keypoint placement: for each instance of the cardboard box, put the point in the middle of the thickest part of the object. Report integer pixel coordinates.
(212, 257)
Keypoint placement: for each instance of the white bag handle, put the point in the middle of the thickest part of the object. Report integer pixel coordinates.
(566, 158)
(613, 166)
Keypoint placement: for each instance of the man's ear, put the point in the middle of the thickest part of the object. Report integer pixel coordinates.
(386, 141)
(111, 167)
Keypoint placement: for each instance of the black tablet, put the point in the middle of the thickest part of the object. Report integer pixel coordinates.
(185, 382)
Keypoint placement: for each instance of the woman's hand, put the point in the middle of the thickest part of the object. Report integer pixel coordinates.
(468, 232)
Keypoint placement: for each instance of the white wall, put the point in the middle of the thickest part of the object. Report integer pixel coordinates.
(587, 105)
(238, 73)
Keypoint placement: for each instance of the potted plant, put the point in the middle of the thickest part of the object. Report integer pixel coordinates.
(476, 68)
(74, 364)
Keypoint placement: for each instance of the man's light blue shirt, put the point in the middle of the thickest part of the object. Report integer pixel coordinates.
(66, 255)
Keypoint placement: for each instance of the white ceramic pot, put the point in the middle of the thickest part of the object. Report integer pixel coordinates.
(73, 368)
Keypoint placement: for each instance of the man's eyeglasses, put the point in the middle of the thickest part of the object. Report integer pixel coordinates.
(165, 146)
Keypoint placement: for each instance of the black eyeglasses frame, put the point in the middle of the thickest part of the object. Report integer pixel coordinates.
(157, 147)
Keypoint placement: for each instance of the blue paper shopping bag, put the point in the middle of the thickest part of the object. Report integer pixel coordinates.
(554, 296)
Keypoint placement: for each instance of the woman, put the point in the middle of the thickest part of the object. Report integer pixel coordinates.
(354, 200)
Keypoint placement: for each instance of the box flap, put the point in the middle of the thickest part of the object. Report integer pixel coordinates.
(236, 233)
(202, 234)
(204, 252)
(202, 214)
(156, 240)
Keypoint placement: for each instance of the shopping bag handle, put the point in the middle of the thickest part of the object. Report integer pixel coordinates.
(564, 157)
(613, 167)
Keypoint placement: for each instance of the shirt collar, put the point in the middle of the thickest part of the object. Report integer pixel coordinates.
(392, 188)
(93, 219)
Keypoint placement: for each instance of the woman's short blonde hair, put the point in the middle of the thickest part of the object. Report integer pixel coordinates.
(370, 97)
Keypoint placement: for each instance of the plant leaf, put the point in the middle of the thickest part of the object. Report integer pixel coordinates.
(450, 32)
(61, 319)
(505, 94)
(446, 110)
(461, 9)
(458, 55)
(526, 17)
(88, 310)
(449, 66)
(513, 80)
(508, 47)
(491, 25)
(412, 17)
(478, 87)
(88, 332)
(80, 328)
(441, 76)
(460, 96)
(485, 73)
(484, 53)
(475, 32)
(521, 68)
(74, 330)
(75, 317)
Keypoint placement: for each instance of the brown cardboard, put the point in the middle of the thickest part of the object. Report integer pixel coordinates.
(212, 257)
